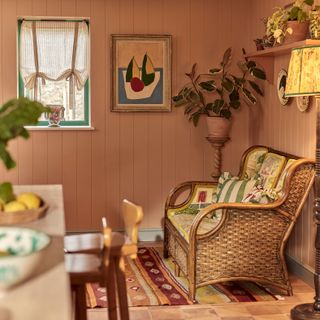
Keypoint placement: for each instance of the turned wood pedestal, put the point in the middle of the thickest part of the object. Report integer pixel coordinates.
(217, 144)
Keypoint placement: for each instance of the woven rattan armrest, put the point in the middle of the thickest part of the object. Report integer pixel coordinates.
(209, 210)
(179, 189)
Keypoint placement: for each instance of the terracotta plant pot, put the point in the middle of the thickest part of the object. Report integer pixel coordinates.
(300, 31)
(218, 127)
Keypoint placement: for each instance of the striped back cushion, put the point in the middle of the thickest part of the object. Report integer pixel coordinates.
(234, 190)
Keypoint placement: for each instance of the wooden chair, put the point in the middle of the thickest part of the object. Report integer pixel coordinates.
(84, 268)
(122, 245)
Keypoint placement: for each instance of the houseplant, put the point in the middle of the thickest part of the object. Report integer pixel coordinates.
(289, 24)
(14, 116)
(314, 26)
(217, 93)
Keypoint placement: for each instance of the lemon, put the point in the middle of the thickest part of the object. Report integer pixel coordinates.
(31, 200)
(13, 206)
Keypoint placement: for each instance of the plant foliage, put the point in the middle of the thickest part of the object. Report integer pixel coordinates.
(14, 116)
(224, 89)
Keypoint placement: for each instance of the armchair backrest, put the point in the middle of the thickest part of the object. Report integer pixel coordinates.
(294, 179)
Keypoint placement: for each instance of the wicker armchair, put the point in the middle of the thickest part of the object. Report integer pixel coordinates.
(248, 242)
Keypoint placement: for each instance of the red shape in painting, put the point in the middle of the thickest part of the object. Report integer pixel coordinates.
(136, 84)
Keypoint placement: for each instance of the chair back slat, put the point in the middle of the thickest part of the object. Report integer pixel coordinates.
(132, 216)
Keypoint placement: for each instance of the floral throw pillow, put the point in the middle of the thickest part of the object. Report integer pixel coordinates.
(260, 195)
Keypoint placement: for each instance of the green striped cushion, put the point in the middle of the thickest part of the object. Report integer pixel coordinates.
(234, 190)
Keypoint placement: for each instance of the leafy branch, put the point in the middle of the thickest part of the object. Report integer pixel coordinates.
(225, 88)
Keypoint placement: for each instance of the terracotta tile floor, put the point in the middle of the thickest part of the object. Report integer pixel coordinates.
(277, 310)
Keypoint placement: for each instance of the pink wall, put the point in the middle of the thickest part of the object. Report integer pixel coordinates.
(287, 129)
(135, 156)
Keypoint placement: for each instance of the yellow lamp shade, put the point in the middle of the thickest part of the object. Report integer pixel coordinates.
(304, 72)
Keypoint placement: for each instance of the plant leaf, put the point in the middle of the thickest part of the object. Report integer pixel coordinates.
(206, 85)
(309, 2)
(228, 84)
(235, 104)
(6, 192)
(226, 57)
(14, 116)
(251, 98)
(255, 87)
(251, 64)
(195, 118)
(217, 105)
(226, 113)
(234, 95)
(215, 70)
(177, 98)
(258, 73)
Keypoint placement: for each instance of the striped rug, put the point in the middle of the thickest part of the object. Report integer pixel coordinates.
(151, 281)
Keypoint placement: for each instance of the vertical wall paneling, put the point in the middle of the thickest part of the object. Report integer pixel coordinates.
(39, 139)
(136, 156)
(55, 161)
(99, 43)
(287, 129)
(69, 152)
(25, 147)
(112, 158)
(140, 123)
(85, 153)
(154, 129)
(127, 132)
(9, 84)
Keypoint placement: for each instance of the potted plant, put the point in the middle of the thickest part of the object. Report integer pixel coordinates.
(314, 26)
(14, 116)
(289, 24)
(217, 93)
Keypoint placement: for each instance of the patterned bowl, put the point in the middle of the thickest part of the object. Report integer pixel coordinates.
(21, 250)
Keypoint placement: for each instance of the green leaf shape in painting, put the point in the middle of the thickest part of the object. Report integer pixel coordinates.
(148, 73)
(6, 192)
(14, 116)
(132, 70)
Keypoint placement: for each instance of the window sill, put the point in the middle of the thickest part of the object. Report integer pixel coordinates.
(75, 128)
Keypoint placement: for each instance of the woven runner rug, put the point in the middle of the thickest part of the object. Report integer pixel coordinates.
(151, 281)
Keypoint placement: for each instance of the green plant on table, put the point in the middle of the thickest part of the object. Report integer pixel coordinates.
(14, 116)
(223, 88)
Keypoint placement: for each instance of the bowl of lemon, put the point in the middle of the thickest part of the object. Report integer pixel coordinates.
(20, 208)
(21, 252)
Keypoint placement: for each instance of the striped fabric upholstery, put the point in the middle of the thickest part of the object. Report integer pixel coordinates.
(234, 190)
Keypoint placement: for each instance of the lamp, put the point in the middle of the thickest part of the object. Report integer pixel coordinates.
(304, 80)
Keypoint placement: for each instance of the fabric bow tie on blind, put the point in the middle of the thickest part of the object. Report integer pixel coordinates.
(54, 50)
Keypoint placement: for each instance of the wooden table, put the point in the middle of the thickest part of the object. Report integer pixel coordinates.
(46, 295)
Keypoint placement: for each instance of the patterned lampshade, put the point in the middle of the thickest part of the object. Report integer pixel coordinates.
(304, 72)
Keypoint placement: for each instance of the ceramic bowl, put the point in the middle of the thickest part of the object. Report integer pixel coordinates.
(21, 251)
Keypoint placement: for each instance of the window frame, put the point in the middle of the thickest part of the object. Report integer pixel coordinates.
(87, 105)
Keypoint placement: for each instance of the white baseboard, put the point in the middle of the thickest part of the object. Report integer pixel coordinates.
(154, 234)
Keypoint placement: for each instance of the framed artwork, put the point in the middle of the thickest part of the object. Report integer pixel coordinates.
(141, 73)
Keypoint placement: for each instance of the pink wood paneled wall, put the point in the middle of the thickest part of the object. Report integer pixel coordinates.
(287, 129)
(135, 156)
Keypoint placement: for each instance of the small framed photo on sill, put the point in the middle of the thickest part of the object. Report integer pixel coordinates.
(141, 73)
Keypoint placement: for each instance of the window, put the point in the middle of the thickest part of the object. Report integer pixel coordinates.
(54, 67)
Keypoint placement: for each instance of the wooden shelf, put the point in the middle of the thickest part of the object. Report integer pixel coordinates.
(266, 57)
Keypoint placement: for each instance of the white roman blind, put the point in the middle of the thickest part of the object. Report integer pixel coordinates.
(55, 51)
